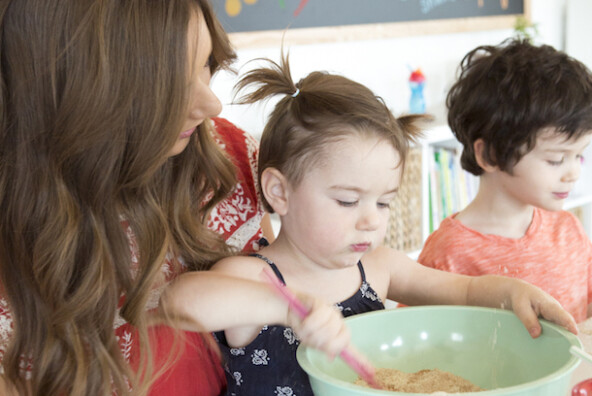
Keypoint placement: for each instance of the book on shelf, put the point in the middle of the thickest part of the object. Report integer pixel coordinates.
(451, 188)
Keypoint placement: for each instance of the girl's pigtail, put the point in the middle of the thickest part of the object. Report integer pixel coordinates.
(276, 79)
(412, 125)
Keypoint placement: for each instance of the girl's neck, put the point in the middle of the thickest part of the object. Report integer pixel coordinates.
(301, 273)
(495, 212)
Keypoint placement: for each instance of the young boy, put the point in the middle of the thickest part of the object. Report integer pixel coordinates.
(523, 114)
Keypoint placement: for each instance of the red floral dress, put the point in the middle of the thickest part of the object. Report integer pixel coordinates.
(198, 371)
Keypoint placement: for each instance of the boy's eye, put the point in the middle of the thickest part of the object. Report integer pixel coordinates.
(347, 204)
(555, 163)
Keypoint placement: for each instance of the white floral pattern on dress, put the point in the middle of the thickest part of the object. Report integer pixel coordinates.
(284, 391)
(291, 337)
(238, 377)
(237, 351)
(260, 357)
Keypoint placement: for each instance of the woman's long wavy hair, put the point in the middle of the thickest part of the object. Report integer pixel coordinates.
(93, 95)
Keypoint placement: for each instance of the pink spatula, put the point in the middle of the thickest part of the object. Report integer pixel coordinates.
(365, 372)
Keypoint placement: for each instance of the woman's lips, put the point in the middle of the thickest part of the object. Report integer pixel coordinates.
(187, 133)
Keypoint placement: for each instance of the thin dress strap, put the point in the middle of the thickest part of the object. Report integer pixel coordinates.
(362, 273)
(272, 265)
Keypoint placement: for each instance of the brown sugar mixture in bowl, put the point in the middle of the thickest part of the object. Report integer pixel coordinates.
(423, 381)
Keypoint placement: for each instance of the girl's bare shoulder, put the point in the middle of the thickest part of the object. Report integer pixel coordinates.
(243, 266)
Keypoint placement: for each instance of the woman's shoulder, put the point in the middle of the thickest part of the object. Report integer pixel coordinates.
(234, 140)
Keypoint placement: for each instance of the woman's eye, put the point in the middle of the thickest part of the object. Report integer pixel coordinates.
(347, 204)
(209, 62)
(383, 205)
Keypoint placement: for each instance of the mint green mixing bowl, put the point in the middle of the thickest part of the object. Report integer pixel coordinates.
(489, 347)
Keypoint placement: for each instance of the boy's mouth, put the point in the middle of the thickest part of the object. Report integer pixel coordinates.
(561, 195)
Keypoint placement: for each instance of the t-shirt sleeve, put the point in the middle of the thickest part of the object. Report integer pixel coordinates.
(440, 249)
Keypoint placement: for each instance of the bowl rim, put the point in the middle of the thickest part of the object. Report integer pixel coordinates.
(568, 367)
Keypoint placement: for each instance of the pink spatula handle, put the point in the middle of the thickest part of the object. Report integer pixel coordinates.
(362, 370)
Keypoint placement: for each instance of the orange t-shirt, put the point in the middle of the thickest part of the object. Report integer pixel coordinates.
(555, 254)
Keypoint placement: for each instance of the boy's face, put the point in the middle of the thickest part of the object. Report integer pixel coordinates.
(340, 209)
(545, 176)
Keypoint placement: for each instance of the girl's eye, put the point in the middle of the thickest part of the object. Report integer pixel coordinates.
(347, 204)
(383, 205)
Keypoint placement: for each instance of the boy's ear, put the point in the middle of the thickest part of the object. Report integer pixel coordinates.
(479, 149)
(274, 186)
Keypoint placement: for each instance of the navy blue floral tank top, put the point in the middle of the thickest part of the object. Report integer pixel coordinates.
(268, 366)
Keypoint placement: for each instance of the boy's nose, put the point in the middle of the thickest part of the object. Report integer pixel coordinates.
(572, 173)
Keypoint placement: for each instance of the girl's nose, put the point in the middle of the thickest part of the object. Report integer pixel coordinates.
(369, 220)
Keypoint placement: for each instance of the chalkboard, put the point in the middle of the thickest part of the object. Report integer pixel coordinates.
(264, 15)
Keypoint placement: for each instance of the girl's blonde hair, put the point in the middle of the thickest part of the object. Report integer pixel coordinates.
(92, 98)
(321, 108)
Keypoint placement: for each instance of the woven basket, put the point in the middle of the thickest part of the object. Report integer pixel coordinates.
(404, 226)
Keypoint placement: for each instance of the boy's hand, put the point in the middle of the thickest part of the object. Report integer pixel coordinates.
(323, 328)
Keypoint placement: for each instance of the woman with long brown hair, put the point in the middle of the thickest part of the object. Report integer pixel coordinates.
(108, 172)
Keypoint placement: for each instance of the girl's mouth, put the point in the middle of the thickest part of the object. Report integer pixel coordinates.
(360, 247)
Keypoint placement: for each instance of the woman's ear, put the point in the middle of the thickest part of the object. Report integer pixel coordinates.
(274, 186)
(482, 160)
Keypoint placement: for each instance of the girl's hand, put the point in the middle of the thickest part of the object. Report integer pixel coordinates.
(323, 328)
(529, 302)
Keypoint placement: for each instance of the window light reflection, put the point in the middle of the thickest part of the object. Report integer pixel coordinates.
(458, 337)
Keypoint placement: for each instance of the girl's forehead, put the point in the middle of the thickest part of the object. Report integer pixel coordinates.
(359, 157)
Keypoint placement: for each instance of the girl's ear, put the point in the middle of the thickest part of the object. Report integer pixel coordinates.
(482, 161)
(274, 186)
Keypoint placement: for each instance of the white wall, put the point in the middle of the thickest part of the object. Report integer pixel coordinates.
(382, 65)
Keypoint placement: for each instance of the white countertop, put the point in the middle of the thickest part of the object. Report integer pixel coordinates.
(584, 370)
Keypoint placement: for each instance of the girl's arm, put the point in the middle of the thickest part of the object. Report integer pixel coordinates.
(414, 284)
(211, 301)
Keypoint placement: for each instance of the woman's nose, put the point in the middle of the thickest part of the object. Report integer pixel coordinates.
(205, 103)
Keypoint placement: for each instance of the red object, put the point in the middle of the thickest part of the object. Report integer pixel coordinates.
(417, 76)
(583, 388)
(300, 7)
